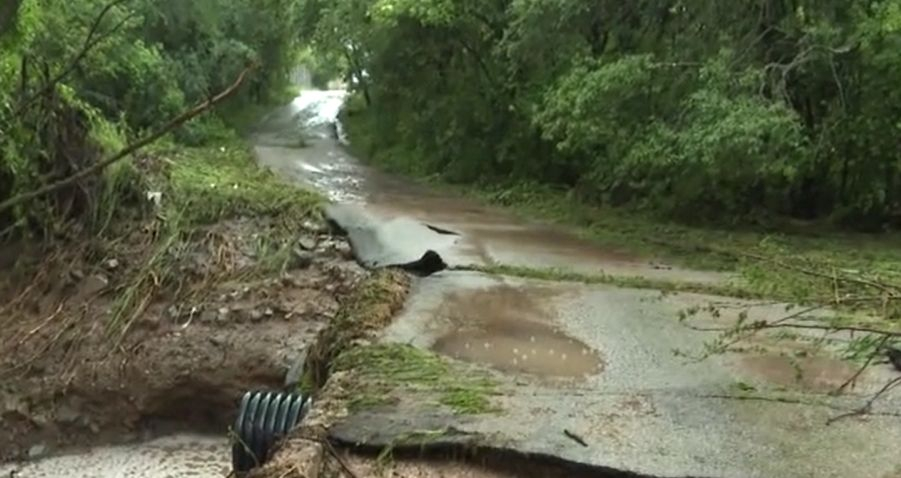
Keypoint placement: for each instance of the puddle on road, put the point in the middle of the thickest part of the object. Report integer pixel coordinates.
(815, 374)
(509, 329)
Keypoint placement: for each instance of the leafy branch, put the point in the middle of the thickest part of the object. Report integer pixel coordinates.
(93, 39)
(877, 339)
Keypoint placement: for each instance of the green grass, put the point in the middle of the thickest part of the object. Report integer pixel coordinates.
(202, 186)
(209, 184)
(361, 314)
(636, 282)
(387, 371)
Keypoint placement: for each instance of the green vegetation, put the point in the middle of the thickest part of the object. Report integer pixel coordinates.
(362, 313)
(81, 79)
(735, 112)
(199, 187)
(637, 282)
(793, 263)
(205, 185)
(386, 373)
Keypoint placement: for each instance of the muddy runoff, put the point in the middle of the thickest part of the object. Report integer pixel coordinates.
(158, 401)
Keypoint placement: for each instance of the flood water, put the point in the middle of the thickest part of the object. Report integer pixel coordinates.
(169, 457)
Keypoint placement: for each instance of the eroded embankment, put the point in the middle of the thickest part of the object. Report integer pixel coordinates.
(238, 317)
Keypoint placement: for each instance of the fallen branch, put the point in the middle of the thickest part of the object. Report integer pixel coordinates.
(131, 148)
(875, 353)
(868, 407)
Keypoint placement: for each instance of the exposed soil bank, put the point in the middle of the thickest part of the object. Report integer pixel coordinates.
(184, 363)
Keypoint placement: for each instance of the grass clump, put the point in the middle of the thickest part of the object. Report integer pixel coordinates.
(387, 372)
(634, 282)
(366, 310)
(213, 183)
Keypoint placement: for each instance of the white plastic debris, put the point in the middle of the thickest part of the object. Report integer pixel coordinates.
(156, 197)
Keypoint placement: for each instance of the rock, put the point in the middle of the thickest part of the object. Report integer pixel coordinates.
(307, 243)
(12, 403)
(76, 274)
(300, 259)
(207, 316)
(268, 312)
(94, 284)
(40, 419)
(295, 370)
(256, 315)
(217, 341)
(111, 264)
(223, 314)
(317, 227)
(67, 414)
(343, 249)
(173, 312)
(37, 451)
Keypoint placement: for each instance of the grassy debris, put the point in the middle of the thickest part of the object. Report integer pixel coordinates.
(368, 309)
(387, 372)
(635, 282)
(198, 187)
(205, 185)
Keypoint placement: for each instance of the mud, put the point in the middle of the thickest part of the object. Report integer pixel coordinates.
(222, 328)
(814, 374)
(511, 330)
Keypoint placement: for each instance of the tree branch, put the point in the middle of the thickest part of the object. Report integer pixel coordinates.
(131, 148)
(868, 407)
(89, 43)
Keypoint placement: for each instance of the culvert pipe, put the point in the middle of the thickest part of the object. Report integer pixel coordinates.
(263, 418)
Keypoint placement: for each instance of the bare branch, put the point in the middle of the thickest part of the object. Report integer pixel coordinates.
(129, 149)
(875, 353)
(867, 408)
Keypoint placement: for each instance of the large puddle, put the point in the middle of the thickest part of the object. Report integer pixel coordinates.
(169, 457)
(511, 329)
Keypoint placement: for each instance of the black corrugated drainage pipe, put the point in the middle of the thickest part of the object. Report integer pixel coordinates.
(264, 418)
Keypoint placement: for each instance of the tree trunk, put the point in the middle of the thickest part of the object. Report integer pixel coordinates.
(8, 11)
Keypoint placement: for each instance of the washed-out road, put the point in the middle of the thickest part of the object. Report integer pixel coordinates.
(593, 361)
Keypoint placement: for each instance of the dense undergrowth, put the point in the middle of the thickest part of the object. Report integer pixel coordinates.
(794, 261)
(197, 187)
(80, 80)
(730, 112)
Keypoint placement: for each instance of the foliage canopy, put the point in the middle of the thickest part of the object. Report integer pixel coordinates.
(78, 78)
(698, 108)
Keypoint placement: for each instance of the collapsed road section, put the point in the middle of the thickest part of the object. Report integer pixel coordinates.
(546, 348)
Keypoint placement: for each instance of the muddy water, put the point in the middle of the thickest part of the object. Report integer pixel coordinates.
(815, 374)
(176, 456)
(512, 329)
